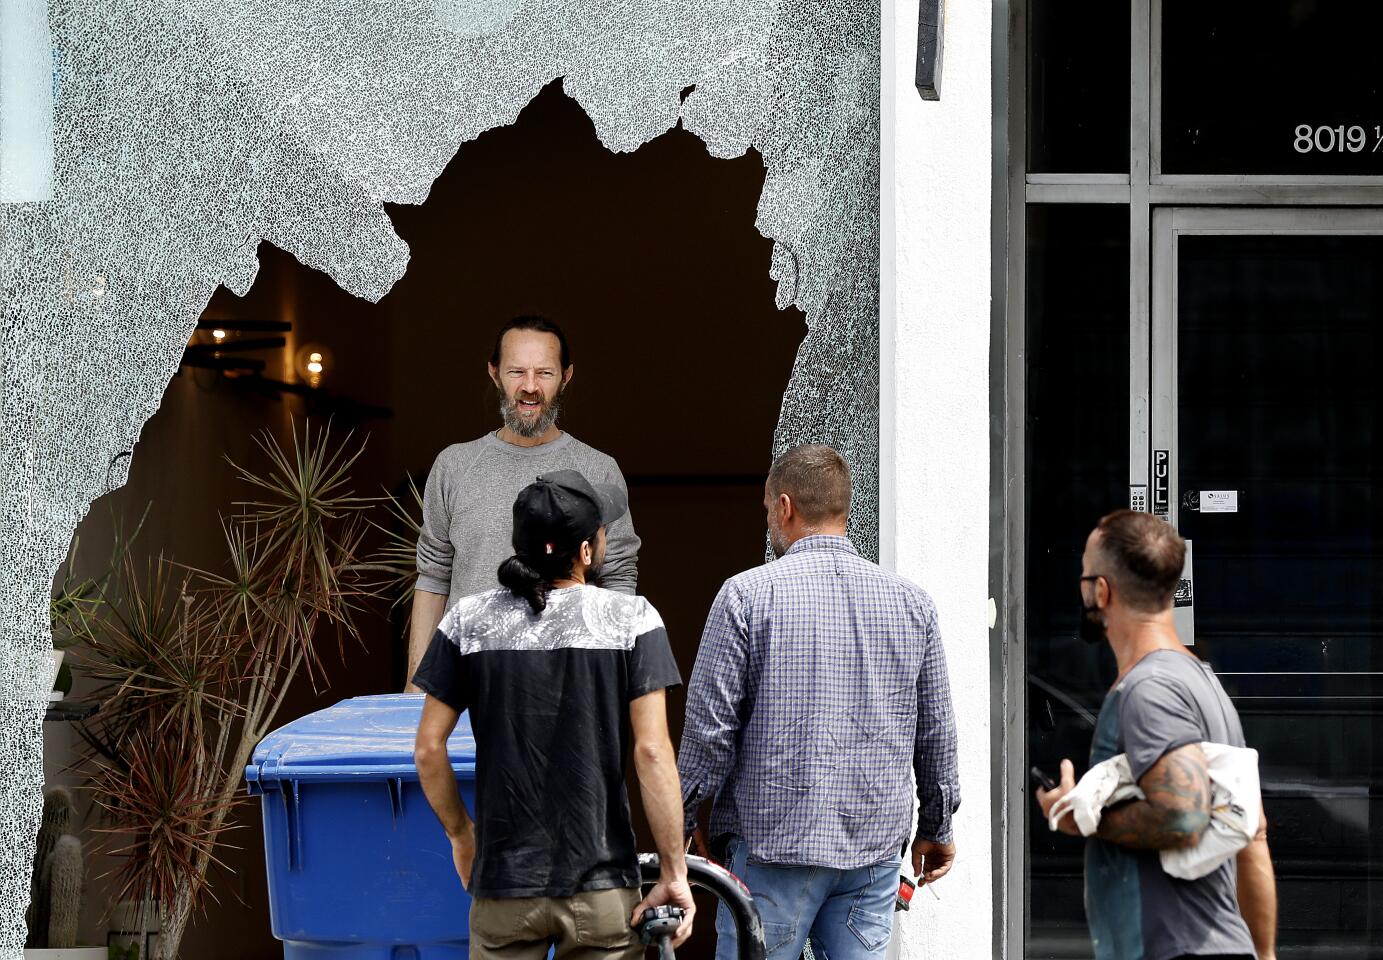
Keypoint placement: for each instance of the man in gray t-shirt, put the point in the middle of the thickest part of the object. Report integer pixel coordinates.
(469, 499)
(1163, 705)
(1168, 700)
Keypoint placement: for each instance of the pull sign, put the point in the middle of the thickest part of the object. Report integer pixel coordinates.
(1162, 482)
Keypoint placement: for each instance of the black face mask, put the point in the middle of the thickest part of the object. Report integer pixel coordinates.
(1092, 629)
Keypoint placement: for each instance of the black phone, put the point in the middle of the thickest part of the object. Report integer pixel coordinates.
(1041, 779)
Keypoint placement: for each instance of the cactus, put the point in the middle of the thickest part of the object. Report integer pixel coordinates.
(64, 892)
(38, 925)
(59, 818)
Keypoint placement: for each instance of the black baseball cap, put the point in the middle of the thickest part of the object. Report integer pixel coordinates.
(561, 509)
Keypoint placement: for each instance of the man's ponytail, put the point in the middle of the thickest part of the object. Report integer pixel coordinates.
(532, 577)
(523, 581)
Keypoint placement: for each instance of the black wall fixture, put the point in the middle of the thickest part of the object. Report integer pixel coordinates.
(227, 355)
(930, 15)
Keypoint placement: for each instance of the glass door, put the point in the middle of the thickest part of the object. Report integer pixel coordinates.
(1267, 415)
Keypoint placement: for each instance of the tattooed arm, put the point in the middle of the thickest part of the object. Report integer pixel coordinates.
(1176, 810)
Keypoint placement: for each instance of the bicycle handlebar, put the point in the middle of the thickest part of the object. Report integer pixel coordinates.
(749, 929)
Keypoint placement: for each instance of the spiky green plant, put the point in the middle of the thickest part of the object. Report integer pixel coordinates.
(161, 815)
(396, 560)
(77, 600)
(196, 664)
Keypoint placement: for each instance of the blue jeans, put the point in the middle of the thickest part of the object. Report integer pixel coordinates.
(847, 913)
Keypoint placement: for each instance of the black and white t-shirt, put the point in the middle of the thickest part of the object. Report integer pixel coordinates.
(548, 696)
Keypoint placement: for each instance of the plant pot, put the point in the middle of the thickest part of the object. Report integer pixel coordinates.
(126, 920)
(67, 953)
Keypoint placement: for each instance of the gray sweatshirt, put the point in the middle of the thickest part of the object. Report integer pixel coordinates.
(468, 512)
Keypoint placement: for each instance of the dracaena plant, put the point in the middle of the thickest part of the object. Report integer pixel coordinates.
(77, 600)
(396, 559)
(194, 666)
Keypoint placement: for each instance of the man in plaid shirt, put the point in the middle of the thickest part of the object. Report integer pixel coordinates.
(820, 681)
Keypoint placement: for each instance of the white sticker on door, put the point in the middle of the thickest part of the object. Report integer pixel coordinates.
(1219, 501)
(1184, 606)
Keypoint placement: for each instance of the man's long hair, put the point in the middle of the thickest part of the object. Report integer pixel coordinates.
(532, 577)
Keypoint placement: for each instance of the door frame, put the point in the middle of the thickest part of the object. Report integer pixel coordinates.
(1144, 191)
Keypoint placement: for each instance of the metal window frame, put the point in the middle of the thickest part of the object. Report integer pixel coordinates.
(1145, 190)
(1217, 180)
(1170, 224)
(1008, 664)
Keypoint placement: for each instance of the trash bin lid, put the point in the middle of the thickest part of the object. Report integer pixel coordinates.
(363, 738)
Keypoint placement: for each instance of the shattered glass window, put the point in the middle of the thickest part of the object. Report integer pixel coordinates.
(185, 132)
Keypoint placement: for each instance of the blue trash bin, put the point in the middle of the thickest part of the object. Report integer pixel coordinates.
(359, 866)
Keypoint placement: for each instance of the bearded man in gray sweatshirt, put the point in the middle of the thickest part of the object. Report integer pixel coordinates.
(469, 498)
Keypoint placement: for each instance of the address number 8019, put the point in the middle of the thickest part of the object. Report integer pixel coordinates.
(1339, 139)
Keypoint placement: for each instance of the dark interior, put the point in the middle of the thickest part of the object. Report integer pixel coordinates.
(1077, 469)
(1279, 401)
(651, 262)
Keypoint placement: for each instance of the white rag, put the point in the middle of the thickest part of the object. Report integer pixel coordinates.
(1235, 804)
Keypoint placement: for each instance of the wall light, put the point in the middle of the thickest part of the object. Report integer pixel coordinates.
(313, 362)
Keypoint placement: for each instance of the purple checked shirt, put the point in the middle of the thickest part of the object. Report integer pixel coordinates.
(819, 687)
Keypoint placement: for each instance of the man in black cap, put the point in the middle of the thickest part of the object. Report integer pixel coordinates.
(559, 677)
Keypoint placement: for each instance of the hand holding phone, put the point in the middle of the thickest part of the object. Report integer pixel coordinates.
(1048, 796)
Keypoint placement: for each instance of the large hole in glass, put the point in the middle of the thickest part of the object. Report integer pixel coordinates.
(650, 261)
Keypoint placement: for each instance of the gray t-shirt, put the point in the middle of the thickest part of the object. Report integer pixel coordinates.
(468, 513)
(1135, 910)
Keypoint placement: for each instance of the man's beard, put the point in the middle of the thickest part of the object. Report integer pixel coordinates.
(1092, 626)
(539, 425)
(775, 543)
(597, 568)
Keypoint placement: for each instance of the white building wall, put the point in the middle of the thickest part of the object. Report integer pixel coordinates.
(935, 303)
